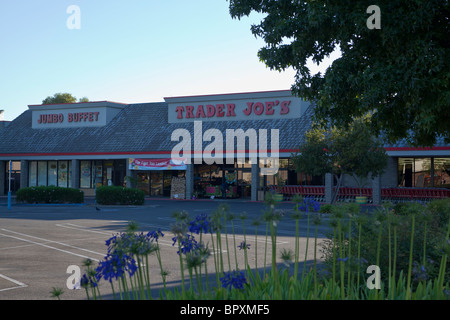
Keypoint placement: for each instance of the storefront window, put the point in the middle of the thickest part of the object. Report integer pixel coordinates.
(143, 182)
(32, 174)
(69, 175)
(52, 173)
(424, 172)
(442, 172)
(85, 174)
(62, 174)
(42, 173)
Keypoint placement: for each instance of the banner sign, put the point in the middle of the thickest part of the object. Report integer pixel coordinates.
(157, 164)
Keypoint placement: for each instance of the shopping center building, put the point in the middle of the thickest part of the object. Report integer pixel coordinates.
(233, 145)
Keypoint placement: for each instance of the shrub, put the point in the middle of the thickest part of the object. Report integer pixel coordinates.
(111, 195)
(326, 208)
(384, 228)
(49, 194)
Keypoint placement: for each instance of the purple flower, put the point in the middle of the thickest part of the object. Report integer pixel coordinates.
(244, 246)
(114, 267)
(234, 279)
(201, 223)
(154, 235)
(187, 243)
(310, 204)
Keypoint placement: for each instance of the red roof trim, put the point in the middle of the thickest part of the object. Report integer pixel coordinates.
(108, 153)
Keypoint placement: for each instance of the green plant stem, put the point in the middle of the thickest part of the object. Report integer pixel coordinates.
(349, 253)
(216, 268)
(183, 287)
(265, 249)
(394, 263)
(341, 262)
(234, 244)
(226, 240)
(297, 249)
(359, 254)
(424, 244)
(307, 245)
(408, 285)
(389, 253)
(315, 263)
(256, 248)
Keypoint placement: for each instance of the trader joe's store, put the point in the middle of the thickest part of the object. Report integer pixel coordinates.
(209, 146)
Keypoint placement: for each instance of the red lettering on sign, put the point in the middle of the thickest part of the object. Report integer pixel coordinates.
(189, 113)
(269, 106)
(285, 107)
(258, 108)
(220, 108)
(249, 108)
(210, 110)
(230, 110)
(180, 110)
(200, 112)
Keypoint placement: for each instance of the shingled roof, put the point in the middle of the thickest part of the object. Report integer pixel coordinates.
(136, 128)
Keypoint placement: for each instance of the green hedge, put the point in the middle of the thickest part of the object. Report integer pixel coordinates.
(50, 194)
(111, 195)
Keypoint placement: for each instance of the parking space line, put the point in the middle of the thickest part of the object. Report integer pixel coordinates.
(77, 227)
(18, 283)
(50, 247)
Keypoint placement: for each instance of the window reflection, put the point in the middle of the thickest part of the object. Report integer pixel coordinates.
(424, 172)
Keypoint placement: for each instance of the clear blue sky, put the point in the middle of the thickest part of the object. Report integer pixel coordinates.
(127, 51)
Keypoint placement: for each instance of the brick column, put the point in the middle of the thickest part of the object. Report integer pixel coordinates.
(130, 174)
(75, 174)
(255, 181)
(189, 181)
(23, 174)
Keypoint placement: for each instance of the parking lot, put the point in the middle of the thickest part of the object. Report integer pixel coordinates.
(39, 242)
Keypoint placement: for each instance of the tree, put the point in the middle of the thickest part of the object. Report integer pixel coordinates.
(58, 98)
(353, 151)
(399, 72)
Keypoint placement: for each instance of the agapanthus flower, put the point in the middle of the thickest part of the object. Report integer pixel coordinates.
(187, 243)
(309, 204)
(114, 267)
(343, 259)
(234, 279)
(200, 224)
(243, 245)
(154, 235)
(89, 279)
